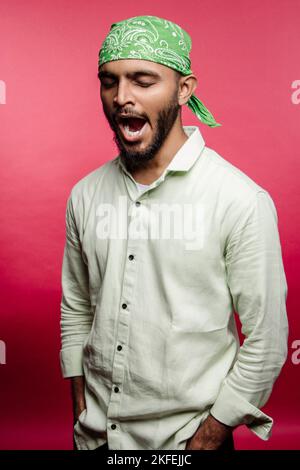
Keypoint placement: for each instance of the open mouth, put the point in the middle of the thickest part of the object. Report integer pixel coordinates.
(133, 128)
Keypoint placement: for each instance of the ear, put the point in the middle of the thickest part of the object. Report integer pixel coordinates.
(186, 88)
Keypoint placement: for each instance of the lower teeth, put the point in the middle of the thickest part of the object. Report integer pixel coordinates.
(132, 133)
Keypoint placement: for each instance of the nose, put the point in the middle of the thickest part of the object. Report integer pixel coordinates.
(123, 94)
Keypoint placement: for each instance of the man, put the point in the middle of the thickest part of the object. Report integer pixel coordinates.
(164, 243)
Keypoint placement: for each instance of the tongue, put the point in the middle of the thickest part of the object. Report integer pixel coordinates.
(135, 124)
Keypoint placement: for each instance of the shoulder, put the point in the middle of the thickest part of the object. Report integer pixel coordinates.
(89, 182)
(238, 195)
(84, 189)
(229, 177)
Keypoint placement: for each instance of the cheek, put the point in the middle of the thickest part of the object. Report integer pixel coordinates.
(155, 99)
(151, 105)
(106, 100)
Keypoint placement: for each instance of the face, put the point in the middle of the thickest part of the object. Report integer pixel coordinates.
(140, 102)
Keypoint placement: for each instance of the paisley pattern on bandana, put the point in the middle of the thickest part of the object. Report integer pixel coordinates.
(157, 40)
(150, 38)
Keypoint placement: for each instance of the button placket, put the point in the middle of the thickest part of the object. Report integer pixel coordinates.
(118, 366)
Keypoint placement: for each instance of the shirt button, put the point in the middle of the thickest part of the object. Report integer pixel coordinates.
(124, 305)
(119, 348)
(137, 203)
(113, 426)
(131, 257)
(116, 389)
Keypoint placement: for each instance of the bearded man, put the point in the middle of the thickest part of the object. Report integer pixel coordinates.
(164, 244)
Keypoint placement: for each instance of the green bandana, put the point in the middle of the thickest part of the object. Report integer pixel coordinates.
(158, 40)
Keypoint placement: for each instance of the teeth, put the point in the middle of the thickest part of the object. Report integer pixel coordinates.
(132, 133)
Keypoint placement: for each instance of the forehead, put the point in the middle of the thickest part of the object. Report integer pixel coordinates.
(136, 66)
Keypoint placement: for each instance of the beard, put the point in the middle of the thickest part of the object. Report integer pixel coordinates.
(134, 159)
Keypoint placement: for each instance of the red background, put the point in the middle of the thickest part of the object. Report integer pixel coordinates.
(53, 132)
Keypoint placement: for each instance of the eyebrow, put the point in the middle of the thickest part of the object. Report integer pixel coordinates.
(136, 74)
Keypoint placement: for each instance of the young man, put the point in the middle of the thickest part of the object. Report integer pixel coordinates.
(164, 243)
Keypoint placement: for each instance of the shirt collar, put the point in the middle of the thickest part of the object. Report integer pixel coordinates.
(188, 153)
(186, 156)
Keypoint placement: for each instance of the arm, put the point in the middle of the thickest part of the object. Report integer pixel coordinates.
(78, 398)
(210, 435)
(258, 287)
(257, 283)
(76, 312)
(76, 316)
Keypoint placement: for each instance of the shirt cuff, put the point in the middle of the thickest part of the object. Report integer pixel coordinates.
(71, 361)
(232, 409)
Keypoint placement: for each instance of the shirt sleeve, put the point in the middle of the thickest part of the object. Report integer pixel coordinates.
(76, 313)
(257, 282)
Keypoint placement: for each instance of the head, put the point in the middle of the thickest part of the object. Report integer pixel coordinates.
(142, 102)
(145, 72)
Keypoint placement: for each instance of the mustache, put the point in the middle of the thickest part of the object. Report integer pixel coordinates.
(130, 114)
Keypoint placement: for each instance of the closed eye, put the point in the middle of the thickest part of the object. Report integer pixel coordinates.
(109, 85)
(144, 84)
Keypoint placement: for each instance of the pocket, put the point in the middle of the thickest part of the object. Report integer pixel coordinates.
(201, 300)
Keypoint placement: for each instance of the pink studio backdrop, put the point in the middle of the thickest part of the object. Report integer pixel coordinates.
(53, 132)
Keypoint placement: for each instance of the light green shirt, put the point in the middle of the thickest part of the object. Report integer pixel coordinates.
(150, 284)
